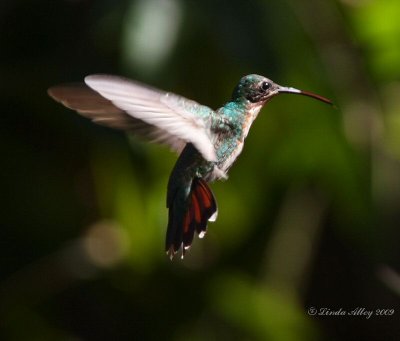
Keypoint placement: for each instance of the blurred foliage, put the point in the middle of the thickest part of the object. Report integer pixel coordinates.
(308, 218)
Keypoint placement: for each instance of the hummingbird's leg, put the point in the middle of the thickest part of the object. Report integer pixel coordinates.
(218, 173)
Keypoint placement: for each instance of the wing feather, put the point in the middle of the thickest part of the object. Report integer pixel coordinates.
(158, 116)
(185, 119)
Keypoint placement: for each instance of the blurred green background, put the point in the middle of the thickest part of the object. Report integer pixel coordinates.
(308, 219)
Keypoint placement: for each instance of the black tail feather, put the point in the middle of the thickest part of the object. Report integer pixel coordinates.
(200, 208)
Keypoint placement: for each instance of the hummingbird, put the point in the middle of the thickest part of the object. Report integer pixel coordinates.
(208, 141)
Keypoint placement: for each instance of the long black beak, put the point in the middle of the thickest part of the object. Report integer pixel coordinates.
(288, 90)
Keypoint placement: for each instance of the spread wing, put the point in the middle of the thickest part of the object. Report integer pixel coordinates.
(156, 115)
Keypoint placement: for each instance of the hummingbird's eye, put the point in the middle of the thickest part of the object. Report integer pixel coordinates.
(265, 85)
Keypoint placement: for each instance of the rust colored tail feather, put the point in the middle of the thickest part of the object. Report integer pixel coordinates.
(201, 208)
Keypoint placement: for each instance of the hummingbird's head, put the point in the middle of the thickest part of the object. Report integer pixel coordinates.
(255, 88)
(258, 89)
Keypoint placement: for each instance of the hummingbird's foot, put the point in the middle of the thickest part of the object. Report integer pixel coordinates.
(218, 173)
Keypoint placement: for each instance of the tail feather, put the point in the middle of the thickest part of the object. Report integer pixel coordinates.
(200, 208)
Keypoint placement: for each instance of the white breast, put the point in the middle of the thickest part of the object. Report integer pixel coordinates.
(221, 171)
(252, 115)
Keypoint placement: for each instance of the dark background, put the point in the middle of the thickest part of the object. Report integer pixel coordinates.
(308, 219)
